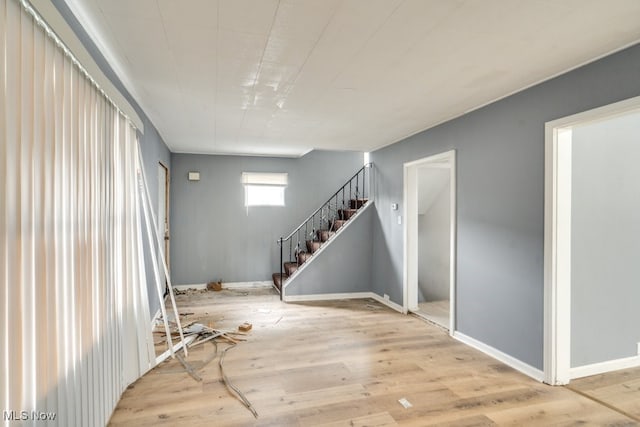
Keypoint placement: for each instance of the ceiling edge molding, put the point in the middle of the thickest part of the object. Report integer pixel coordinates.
(500, 98)
(54, 19)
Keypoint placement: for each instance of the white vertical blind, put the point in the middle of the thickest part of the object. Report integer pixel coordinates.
(74, 316)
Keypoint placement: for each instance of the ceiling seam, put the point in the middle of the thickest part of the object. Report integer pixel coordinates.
(306, 59)
(217, 82)
(255, 79)
(514, 92)
(366, 42)
(172, 55)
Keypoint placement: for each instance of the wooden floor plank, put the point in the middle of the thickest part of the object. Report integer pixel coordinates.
(345, 363)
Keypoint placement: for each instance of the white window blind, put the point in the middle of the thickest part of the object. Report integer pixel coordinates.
(74, 315)
(264, 178)
(264, 189)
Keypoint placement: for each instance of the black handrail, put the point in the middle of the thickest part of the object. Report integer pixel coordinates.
(328, 201)
(311, 218)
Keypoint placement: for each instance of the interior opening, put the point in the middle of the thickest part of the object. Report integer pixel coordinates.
(430, 225)
(434, 211)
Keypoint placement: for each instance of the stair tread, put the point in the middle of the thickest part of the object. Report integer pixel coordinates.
(336, 224)
(279, 279)
(290, 267)
(313, 245)
(357, 203)
(303, 257)
(346, 213)
(325, 235)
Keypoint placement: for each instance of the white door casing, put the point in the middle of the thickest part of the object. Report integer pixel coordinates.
(557, 236)
(410, 231)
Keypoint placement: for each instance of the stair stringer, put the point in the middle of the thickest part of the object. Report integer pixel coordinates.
(342, 264)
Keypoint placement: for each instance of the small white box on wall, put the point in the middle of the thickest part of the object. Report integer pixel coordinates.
(194, 176)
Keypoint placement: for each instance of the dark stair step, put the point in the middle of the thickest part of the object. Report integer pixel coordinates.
(325, 235)
(303, 257)
(346, 213)
(290, 268)
(357, 203)
(279, 279)
(335, 225)
(313, 245)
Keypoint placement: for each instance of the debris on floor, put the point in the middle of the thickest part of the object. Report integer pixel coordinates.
(404, 402)
(194, 328)
(189, 368)
(230, 385)
(214, 286)
(188, 291)
(199, 333)
(245, 327)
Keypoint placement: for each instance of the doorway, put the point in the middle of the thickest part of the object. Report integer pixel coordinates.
(430, 244)
(163, 213)
(592, 242)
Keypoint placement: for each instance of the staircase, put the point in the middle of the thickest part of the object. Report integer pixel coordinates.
(321, 226)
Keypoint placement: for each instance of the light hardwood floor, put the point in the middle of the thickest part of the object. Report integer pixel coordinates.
(343, 363)
(435, 311)
(620, 389)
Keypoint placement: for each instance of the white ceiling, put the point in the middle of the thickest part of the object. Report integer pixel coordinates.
(282, 77)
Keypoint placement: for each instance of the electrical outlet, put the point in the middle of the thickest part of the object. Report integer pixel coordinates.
(386, 297)
(399, 220)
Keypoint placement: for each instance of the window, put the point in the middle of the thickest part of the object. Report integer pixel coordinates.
(264, 189)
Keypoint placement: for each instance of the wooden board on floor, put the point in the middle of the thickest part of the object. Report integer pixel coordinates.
(342, 363)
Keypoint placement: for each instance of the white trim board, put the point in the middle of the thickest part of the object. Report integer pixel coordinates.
(392, 305)
(602, 367)
(230, 285)
(508, 360)
(557, 236)
(349, 295)
(155, 318)
(446, 159)
(176, 347)
(327, 297)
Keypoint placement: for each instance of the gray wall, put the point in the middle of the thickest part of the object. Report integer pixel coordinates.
(154, 149)
(500, 201)
(213, 236)
(605, 240)
(434, 245)
(345, 266)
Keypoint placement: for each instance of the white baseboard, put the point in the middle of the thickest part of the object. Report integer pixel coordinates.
(245, 285)
(511, 361)
(392, 305)
(326, 297)
(602, 367)
(230, 285)
(346, 295)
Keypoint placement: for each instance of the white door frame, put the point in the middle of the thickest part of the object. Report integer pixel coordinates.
(557, 237)
(410, 262)
(163, 209)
